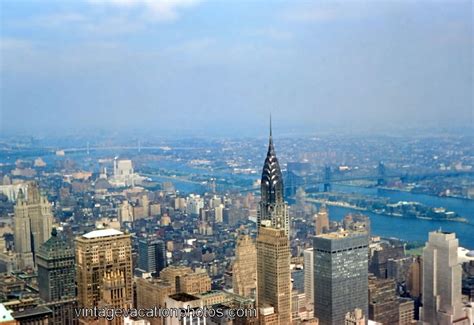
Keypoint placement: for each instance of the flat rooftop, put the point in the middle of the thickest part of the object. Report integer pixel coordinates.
(102, 233)
(341, 234)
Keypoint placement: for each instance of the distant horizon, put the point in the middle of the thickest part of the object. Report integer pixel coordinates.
(247, 133)
(253, 129)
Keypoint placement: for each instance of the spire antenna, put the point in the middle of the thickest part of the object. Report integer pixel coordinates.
(270, 125)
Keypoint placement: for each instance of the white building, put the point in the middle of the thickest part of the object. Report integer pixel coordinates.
(125, 212)
(194, 203)
(219, 213)
(11, 191)
(442, 298)
(124, 174)
(215, 201)
(309, 277)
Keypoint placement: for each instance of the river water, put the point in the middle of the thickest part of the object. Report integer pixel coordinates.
(413, 229)
(410, 229)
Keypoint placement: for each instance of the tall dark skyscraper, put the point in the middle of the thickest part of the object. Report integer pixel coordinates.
(56, 278)
(272, 205)
(340, 275)
(151, 255)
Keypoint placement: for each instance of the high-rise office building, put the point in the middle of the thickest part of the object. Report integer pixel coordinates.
(56, 278)
(244, 270)
(308, 256)
(272, 204)
(151, 255)
(104, 269)
(194, 204)
(33, 224)
(441, 297)
(56, 269)
(380, 256)
(273, 271)
(321, 220)
(383, 301)
(273, 245)
(415, 277)
(340, 275)
(219, 213)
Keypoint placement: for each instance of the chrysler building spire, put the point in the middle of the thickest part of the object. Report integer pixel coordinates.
(272, 180)
(272, 205)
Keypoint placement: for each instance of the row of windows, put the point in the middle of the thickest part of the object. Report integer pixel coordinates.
(341, 250)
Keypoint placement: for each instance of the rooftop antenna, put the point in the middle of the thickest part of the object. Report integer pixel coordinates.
(270, 125)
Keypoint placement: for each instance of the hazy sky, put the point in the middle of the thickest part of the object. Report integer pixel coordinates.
(223, 66)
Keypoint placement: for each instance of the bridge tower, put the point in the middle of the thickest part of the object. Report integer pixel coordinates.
(327, 179)
(381, 174)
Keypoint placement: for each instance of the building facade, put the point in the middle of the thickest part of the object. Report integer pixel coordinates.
(308, 256)
(383, 301)
(442, 273)
(33, 224)
(273, 272)
(273, 244)
(151, 255)
(321, 221)
(56, 278)
(244, 270)
(104, 269)
(340, 275)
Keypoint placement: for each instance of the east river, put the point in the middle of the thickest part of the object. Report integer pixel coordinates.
(406, 228)
(410, 229)
(413, 229)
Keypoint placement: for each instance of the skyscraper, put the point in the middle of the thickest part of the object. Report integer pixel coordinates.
(33, 223)
(151, 255)
(104, 269)
(273, 245)
(383, 301)
(321, 222)
(273, 271)
(415, 276)
(340, 275)
(272, 205)
(56, 278)
(244, 270)
(441, 297)
(308, 256)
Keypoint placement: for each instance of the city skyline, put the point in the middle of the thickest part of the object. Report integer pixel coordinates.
(175, 162)
(344, 66)
(144, 244)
